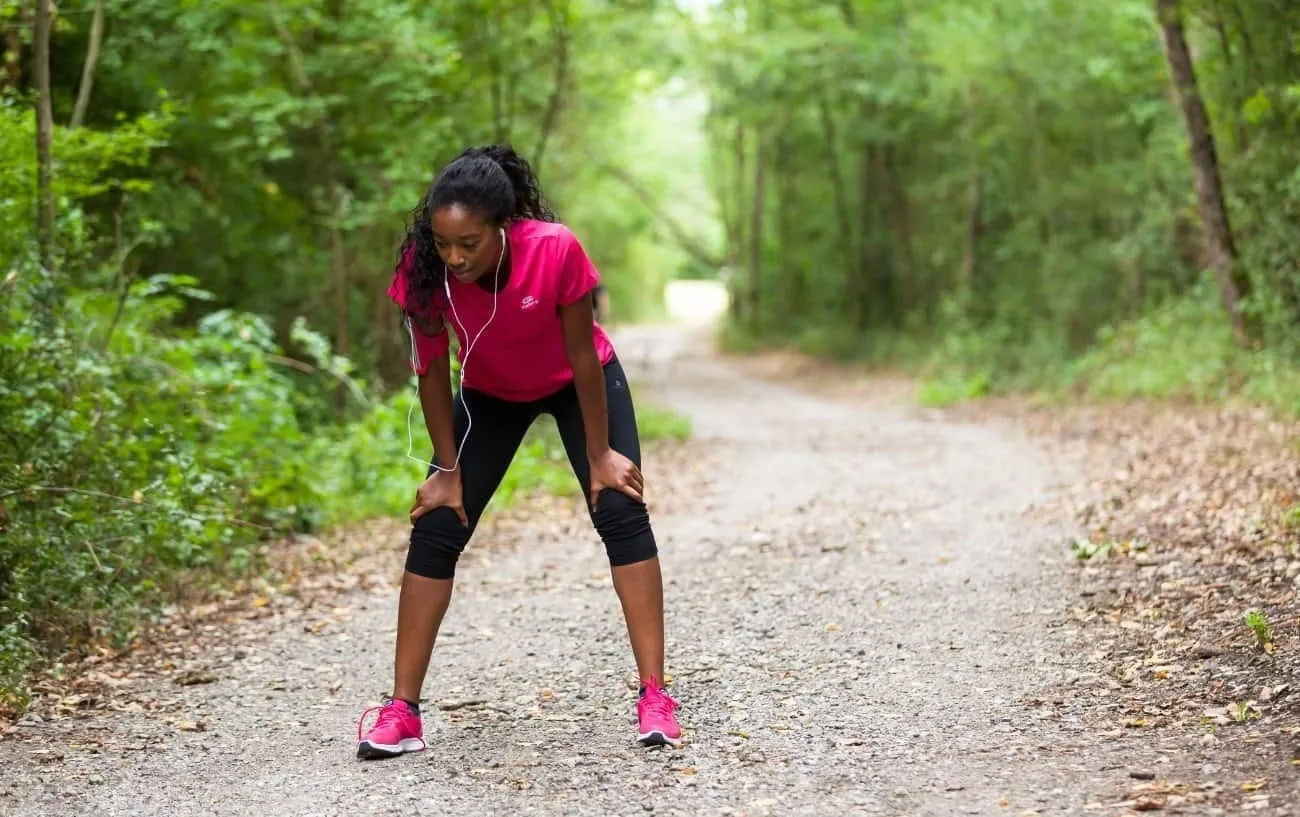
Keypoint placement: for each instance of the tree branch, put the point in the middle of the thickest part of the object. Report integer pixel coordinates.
(127, 500)
(307, 368)
(559, 21)
(688, 244)
(88, 70)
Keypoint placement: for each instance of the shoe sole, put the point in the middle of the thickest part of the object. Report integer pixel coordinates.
(382, 751)
(657, 738)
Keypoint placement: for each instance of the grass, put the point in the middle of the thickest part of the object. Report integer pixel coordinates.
(1183, 351)
(541, 463)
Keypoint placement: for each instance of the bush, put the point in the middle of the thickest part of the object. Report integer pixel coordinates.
(131, 455)
(1184, 350)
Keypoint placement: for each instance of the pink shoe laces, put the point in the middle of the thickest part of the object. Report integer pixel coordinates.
(389, 715)
(656, 701)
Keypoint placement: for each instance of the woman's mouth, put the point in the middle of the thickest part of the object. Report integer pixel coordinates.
(462, 273)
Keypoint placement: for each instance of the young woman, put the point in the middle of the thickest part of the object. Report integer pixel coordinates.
(487, 258)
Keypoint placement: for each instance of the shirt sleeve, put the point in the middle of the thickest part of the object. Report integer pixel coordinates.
(424, 347)
(578, 275)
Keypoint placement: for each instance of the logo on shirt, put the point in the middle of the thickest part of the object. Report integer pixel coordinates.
(529, 302)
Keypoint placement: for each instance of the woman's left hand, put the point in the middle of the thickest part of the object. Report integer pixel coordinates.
(613, 470)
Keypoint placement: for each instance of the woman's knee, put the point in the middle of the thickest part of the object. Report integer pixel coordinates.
(624, 527)
(437, 541)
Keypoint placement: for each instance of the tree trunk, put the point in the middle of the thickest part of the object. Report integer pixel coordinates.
(499, 128)
(737, 238)
(342, 291)
(1233, 286)
(898, 213)
(726, 208)
(14, 50)
(756, 231)
(559, 20)
(970, 249)
(843, 216)
(88, 70)
(866, 290)
(791, 269)
(878, 301)
(45, 212)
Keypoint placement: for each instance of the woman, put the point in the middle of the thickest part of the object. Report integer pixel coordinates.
(486, 257)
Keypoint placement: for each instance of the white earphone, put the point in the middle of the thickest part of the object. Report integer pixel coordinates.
(415, 359)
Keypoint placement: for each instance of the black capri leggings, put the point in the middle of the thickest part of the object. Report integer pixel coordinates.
(438, 538)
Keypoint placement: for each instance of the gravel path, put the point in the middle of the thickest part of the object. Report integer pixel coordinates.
(859, 617)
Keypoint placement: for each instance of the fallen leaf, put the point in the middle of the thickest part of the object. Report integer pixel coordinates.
(194, 677)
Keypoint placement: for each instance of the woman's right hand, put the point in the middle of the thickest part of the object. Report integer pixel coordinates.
(441, 489)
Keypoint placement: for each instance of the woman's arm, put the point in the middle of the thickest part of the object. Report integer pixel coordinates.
(435, 402)
(588, 375)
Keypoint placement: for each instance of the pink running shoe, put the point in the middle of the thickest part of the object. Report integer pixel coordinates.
(397, 730)
(655, 714)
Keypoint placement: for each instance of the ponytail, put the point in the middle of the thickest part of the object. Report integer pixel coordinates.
(527, 190)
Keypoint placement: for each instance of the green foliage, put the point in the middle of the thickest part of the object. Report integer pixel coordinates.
(946, 391)
(1258, 623)
(129, 461)
(304, 132)
(983, 191)
(1183, 350)
(656, 423)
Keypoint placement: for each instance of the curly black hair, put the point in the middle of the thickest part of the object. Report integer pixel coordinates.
(493, 180)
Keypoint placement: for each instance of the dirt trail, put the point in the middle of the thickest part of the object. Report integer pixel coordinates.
(861, 620)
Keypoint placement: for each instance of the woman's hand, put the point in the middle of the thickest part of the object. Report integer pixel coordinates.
(440, 490)
(613, 470)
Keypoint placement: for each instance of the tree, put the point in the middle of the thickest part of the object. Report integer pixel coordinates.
(45, 205)
(1233, 284)
(995, 187)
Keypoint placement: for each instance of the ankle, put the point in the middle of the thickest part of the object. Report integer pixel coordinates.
(652, 682)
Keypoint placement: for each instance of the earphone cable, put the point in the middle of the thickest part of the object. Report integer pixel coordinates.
(460, 390)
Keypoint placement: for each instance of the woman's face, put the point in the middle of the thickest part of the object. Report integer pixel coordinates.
(468, 244)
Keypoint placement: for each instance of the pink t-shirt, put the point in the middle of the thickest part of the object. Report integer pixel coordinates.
(520, 355)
